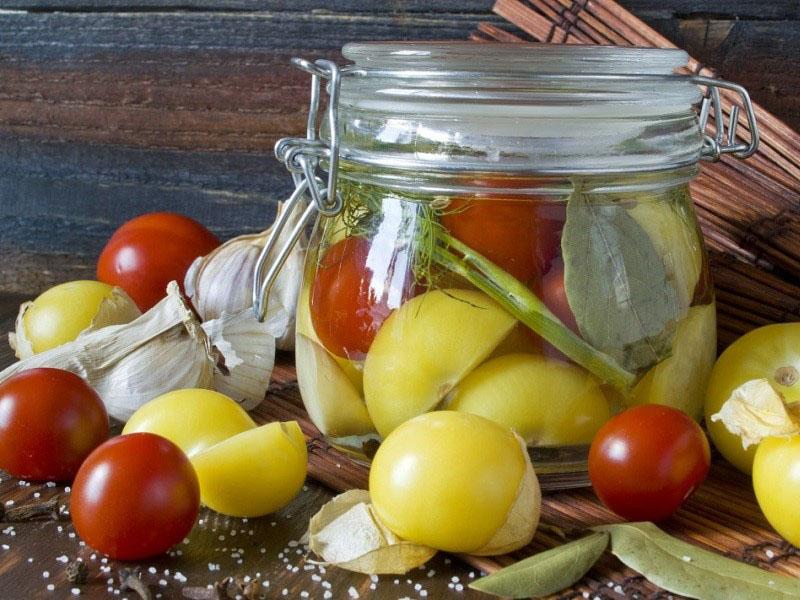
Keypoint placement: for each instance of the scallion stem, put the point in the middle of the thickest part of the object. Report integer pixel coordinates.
(523, 304)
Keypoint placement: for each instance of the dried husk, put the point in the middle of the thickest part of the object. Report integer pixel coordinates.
(346, 533)
(523, 517)
(116, 309)
(222, 281)
(755, 411)
(166, 349)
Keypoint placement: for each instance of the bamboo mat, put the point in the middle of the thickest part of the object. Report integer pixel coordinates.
(749, 210)
(721, 516)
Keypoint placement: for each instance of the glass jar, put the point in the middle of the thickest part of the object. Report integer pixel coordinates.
(505, 230)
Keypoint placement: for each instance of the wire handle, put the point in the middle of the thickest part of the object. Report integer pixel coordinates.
(302, 158)
(724, 141)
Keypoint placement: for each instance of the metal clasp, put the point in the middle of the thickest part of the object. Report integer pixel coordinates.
(724, 141)
(302, 158)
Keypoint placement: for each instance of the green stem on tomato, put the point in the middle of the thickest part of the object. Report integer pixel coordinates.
(523, 304)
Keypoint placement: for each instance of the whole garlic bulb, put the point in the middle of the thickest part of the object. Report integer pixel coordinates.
(222, 281)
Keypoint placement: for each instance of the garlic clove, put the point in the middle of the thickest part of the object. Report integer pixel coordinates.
(222, 280)
(245, 352)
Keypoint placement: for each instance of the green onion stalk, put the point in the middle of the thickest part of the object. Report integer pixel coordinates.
(523, 304)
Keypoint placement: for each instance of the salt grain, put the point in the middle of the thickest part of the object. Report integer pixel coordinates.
(685, 558)
(459, 587)
(285, 592)
(76, 591)
(162, 582)
(152, 570)
(50, 587)
(327, 595)
(431, 573)
(352, 592)
(770, 554)
(63, 559)
(45, 574)
(6, 546)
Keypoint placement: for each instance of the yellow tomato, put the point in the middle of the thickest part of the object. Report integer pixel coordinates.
(254, 473)
(776, 480)
(58, 315)
(772, 353)
(446, 479)
(193, 419)
(546, 402)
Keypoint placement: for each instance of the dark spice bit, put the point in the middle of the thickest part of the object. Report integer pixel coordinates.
(230, 587)
(131, 579)
(47, 510)
(77, 572)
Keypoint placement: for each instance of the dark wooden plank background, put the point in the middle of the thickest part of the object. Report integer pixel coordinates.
(111, 108)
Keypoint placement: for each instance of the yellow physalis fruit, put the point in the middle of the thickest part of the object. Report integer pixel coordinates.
(347, 534)
(772, 353)
(331, 399)
(194, 419)
(520, 391)
(65, 311)
(456, 482)
(424, 348)
(680, 380)
(255, 472)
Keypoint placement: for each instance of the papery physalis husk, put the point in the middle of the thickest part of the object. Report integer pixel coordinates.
(755, 411)
(116, 309)
(167, 349)
(346, 533)
(523, 517)
(222, 281)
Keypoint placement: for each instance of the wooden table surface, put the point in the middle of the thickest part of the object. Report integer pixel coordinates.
(721, 516)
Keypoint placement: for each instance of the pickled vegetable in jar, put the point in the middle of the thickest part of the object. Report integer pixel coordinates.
(506, 230)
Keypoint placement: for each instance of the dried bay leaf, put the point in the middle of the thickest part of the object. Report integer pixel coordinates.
(755, 411)
(616, 282)
(683, 568)
(547, 572)
(346, 533)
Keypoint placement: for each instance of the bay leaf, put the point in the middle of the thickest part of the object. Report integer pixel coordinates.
(616, 282)
(547, 572)
(685, 569)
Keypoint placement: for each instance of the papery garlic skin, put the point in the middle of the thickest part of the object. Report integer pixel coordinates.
(130, 364)
(166, 349)
(222, 281)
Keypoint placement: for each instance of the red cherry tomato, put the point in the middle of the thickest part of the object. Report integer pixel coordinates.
(148, 252)
(554, 295)
(647, 460)
(350, 300)
(519, 234)
(135, 497)
(50, 420)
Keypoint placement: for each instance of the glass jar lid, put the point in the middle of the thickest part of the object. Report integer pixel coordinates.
(516, 108)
